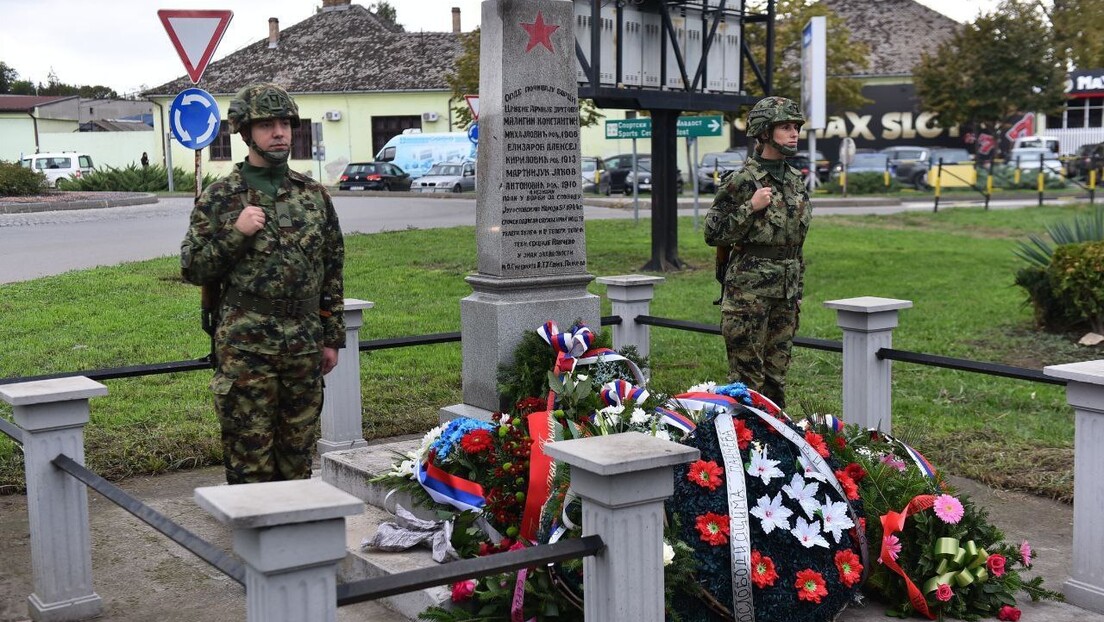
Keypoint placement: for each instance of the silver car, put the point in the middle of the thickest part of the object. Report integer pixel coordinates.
(456, 176)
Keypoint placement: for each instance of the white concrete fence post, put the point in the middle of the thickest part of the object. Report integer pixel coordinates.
(291, 537)
(1085, 392)
(342, 418)
(623, 480)
(867, 324)
(631, 295)
(53, 414)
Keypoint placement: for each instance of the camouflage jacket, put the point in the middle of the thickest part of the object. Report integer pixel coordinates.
(300, 261)
(781, 226)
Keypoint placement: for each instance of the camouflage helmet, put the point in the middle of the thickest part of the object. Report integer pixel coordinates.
(261, 101)
(769, 112)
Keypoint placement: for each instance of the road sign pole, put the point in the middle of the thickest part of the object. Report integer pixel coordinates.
(168, 160)
(198, 172)
(636, 196)
(694, 172)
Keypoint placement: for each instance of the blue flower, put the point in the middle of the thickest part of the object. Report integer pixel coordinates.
(736, 390)
(454, 431)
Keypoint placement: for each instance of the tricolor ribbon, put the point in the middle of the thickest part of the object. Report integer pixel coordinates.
(443, 487)
(568, 345)
(705, 402)
(676, 419)
(615, 393)
(893, 522)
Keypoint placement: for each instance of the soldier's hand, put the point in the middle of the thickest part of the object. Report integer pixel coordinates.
(761, 199)
(329, 360)
(250, 221)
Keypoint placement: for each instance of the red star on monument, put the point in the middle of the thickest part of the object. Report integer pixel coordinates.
(539, 33)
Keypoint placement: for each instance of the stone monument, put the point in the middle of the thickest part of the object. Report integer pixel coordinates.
(529, 224)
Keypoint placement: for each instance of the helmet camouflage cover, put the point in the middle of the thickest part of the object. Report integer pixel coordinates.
(261, 101)
(769, 112)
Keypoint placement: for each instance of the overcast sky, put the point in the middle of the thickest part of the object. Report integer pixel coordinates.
(121, 43)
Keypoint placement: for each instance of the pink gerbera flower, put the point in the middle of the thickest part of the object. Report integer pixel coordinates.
(948, 509)
(891, 545)
(1025, 552)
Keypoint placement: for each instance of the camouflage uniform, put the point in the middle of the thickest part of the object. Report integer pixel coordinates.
(764, 277)
(282, 303)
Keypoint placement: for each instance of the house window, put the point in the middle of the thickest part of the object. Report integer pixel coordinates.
(1079, 113)
(386, 128)
(220, 149)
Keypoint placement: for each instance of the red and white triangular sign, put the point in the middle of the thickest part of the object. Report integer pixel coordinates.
(473, 105)
(195, 35)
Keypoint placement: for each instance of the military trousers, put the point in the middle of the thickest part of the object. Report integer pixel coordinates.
(758, 334)
(269, 407)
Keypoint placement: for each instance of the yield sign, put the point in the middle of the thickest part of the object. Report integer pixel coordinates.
(473, 105)
(195, 35)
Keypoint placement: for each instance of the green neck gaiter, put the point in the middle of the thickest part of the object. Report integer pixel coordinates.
(774, 168)
(265, 179)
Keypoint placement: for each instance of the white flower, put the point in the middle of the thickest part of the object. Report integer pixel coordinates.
(808, 534)
(771, 513)
(704, 387)
(427, 440)
(835, 518)
(663, 434)
(763, 467)
(801, 491)
(808, 470)
(403, 469)
(668, 554)
(803, 424)
(639, 417)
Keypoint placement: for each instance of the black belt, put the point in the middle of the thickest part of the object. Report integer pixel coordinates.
(282, 307)
(771, 252)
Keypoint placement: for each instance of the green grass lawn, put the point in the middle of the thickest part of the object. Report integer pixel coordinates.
(956, 266)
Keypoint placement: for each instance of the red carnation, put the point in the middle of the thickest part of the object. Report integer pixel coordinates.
(530, 405)
(856, 472)
(762, 570)
(1009, 613)
(706, 474)
(817, 442)
(850, 569)
(743, 434)
(849, 487)
(713, 528)
(477, 441)
(810, 586)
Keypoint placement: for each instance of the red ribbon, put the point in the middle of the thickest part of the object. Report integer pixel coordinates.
(539, 467)
(893, 522)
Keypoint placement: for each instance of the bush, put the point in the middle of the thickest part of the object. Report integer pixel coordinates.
(1076, 276)
(135, 179)
(1053, 310)
(1004, 177)
(864, 183)
(19, 181)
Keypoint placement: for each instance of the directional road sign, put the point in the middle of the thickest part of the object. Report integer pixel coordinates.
(629, 128)
(473, 133)
(195, 35)
(699, 126)
(194, 118)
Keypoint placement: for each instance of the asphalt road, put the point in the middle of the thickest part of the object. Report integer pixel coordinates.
(39, 244)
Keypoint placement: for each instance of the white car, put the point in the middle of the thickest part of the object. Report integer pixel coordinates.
(59, 166)
(1028, 158)
(456, 176)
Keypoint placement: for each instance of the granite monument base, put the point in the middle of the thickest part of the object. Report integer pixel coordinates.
(497, 314)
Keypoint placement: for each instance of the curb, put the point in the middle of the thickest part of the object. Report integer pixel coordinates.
(27, 208)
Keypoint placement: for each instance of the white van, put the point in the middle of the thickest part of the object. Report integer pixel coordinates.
(1050, 143)
(59, 166)
(415, 154)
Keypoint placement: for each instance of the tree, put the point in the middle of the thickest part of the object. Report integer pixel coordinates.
(1003, 64)
(844, 56)
(1077, 24)
(465, 81)
(386, 12)
(8, 75)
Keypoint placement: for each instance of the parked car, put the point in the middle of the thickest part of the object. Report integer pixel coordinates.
(1027, 159)
(823, 166)
(59, 166)
(1088, 157)
(910, 165)
(457, 176)
(591, 169)
(373, 176)
(643, 177)
(864, 163)
(619, 166)
(714, 166)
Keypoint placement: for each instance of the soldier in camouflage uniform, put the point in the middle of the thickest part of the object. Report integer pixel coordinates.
(269, 238)
(762, 214)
